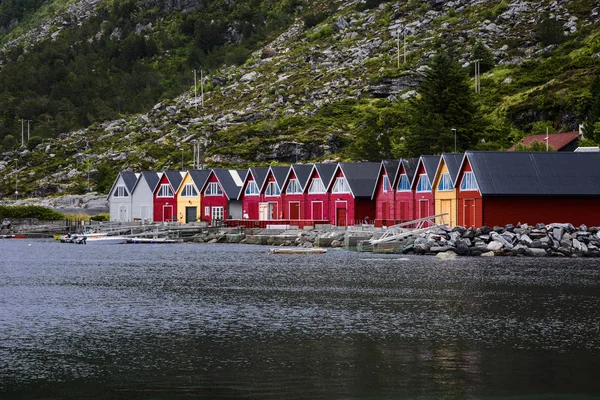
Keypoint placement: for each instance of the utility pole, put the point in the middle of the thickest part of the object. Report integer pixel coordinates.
(28, 121)
(454, 130)
(195, 91)
(477, 77)
(16, 181)
(182, 160)
(547, 139)
(398, 46)
(202, 88)
(22, 132)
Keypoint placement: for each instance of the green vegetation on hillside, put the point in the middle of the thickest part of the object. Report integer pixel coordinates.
(41, 213)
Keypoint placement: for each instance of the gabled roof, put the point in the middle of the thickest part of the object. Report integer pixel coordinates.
(555, 140)
(259, 174)
(325, 171)
(391, 169)
(453, 162)
(410, 166)
(175, 178)
(430, 164)
(361, 177)
(242, 174)
(280, 173)
(302, 172)
(536, 173)
(230, 181)
(129, 179)
(151, 177)
(199, 177)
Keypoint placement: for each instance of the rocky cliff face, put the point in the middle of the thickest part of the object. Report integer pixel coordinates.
(351, 55)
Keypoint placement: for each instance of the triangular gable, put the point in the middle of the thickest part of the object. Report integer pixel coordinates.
(302, 172)
(151, 177)
(259, 174)
(389, 168)
(230, 181)
(361, 177)
(279, 174)
(326, 172)
(129, 180)
(452, 162)
(174, 178)
(199, 178)
(428, 164)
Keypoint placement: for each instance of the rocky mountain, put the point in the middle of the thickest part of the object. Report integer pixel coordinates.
(318, 83)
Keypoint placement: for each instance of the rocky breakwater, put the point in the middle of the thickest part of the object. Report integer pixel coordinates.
(554, 240)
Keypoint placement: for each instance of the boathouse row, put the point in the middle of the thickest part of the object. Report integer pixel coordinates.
(472, 189)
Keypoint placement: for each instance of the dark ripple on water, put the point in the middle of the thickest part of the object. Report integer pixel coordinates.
(232, 321)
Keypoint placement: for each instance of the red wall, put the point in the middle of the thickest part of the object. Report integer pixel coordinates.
(464, 202)
(159, 202)
(322, 197)
(249, 203)
(531, 210)
(213, 201)
(293, 198)
(422, 196)
(382, 197)
(273, 199)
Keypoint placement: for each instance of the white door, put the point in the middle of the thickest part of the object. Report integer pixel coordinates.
(218, 213)
(123, 213)
(263, 211)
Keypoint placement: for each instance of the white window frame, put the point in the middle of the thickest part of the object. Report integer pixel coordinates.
(293, 187)
(189, 190)
(272, 189)
(428, 186)
(207, 211)
(386, 183)
(252, 189)
(340, 186)
(445, 184)
(219, 210)
(213, 189)
(165, 190)
(469, 185)
(317, 186)
(404, 178)
(121, 191)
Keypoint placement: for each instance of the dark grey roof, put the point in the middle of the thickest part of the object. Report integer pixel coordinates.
(280, 173)
(242, 173)
(410, 166)
(302, 172)
(536, 173)
(391, 169)
(130, 179)
(453, 161)
(259, 174)
(361, 177)
(152, 178)
(228, 183)
(325, 171)
(430, 163)
(174, 178)
(199, 177)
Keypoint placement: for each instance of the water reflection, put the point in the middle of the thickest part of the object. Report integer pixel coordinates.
(220, 321)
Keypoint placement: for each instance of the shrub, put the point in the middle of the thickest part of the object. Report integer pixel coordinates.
(100, 217)
(41, 213)
(314, 19)
(549, 31)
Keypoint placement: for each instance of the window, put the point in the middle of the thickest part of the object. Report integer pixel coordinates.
(293, 187)
(207, 211)
(272, 189)
(252, 189)
(445, 182)
(120, 191)
(423, 185)
(404, 184)
(386, 183)
(218, 213)
(341, 186)
(189, 190)
(213, 189)
(468, 182)
(316, 186)
(165, 190)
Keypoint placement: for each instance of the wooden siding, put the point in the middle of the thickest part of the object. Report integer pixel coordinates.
(164, 207)
(445, 200)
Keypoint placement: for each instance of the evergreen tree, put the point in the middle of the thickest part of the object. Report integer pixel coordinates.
(593, 117)
(445, 102)
(481, 52)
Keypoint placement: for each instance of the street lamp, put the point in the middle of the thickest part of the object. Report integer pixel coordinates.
(454, 130)
(16, 182)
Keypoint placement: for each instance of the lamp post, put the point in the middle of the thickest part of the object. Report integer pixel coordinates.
(454, 130)
(16, 182)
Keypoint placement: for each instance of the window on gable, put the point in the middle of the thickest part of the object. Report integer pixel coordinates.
(165, 190)
(189, 190)
(341, 186)
(386, 183)
(468, 182)
(293, 187)
(404, 184)
(272, 189)
(252, 189)
(316, 186)
(120, 191)
(213, 189)
(423, 185)
(445, 182)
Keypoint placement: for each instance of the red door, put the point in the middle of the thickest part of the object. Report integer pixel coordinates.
(294, 210)
(403, 211)
(168, 213)
(317, 210)
(423, 209)
(469, 212)
(340, 214)
(385, 211)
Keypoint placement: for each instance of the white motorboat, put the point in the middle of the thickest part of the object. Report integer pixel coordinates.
(105, 240)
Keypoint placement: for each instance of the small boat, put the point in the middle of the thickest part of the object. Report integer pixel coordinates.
(105, 240)
(150, 240)
(297, 250)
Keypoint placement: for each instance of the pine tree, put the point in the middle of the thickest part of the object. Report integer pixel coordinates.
(593, 116)
(481, 52)
(445, 102)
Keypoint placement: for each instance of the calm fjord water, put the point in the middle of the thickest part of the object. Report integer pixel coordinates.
(230, 321)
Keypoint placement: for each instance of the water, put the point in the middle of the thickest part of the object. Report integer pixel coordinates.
(191, 321)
